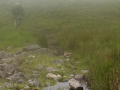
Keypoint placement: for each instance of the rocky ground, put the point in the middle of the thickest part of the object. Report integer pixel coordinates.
(34, 67)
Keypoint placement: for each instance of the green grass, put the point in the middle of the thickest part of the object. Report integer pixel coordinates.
(90, 30)
(15, 38)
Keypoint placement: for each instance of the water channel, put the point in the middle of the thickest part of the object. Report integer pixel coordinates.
(64, 86)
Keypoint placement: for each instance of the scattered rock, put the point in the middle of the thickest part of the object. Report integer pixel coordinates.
(59, 61)
(40, 67)
(85, 71)
(51, 69)
(18, 52)
(58, 52)
(67, 55)
(55, 77)
(5, 60)
(75, 85)
(1, 88)
(9, 47)
(2, 66)
(7, 70)
(2, 74)
(41, 51)
(36, 83)
(26, 88)
(11, 68)
(31, 48)
(3, 55)
(8, 85)
(30, 82)
(35, 73)
(33, 82)
(79, 77)
(48, 83)
(17, 77)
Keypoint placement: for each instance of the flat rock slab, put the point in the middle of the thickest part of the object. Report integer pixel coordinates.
(31, 48)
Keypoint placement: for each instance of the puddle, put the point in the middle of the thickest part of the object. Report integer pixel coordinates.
(64, 86)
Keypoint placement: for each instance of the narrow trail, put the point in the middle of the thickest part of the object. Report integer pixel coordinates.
(50, 35)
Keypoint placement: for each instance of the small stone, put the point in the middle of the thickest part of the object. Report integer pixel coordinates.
(26, 87)
(85, 71)
(51, 69)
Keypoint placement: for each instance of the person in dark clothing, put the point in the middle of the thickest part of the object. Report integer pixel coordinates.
(18, 13)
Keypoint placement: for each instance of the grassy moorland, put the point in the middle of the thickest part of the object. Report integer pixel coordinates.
(89, 29)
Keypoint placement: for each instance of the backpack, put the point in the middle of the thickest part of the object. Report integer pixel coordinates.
(17, 9)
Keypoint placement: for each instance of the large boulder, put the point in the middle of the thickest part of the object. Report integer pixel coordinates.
(31, 48)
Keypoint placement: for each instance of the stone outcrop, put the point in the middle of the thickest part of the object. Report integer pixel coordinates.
(31, 48)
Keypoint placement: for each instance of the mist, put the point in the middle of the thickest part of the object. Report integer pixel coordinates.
(55, 3)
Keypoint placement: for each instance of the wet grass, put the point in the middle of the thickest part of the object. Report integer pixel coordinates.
(89, 30)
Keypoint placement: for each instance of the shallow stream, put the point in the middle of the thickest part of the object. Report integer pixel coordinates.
(64, 86)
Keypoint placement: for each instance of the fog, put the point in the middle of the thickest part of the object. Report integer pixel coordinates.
(54, 3)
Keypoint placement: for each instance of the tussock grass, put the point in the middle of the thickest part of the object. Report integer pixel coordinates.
(90, 30)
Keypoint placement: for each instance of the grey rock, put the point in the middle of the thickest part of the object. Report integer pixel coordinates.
(35, 73)
(8, 85)
(30, 82)
(7, 70)
(67, 55)
(2, 74)
(36, 82)
(9, 47)
(17, 77)
(55, 77)
(58, 52)
(2, 66)
(3, 55)
(18, 52)
(22, 54)
(79, 77)
(1, 88)
(33, 82)
(10, 69)
(51, 69)
(28, 76)
(40, 67)
(59, 61)
(26, 87)
(48, 83)
(85, 71)
(41, 51)
(5, 60)
(31, 48)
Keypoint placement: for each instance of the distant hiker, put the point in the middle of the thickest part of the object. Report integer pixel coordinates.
(18, 13)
